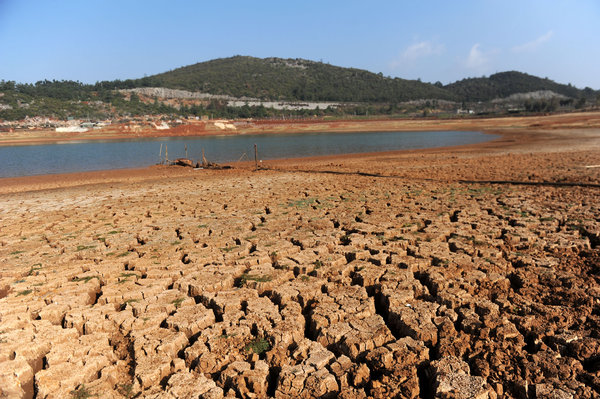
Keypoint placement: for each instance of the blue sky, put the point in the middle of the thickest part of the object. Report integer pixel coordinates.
(92, 40)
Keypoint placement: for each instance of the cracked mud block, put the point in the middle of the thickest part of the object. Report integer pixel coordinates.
(345, 321)
(452, 379)
(398, 364)
(308, 376)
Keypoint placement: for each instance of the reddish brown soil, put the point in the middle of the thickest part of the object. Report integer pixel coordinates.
(456, 273)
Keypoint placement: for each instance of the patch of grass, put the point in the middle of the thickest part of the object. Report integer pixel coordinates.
(201, 226)
(114, 232)
(245, 278)
(24, 292)
(127, 275)
(34, 268)
(126, 390)
(82, 393)
(128, 302)
(258, 346)
(229, 249)
(177, 302)
(123, 254)
(176, 242)
(318, 264)
(84, 247)
(250, 238)
(84, 279)
(225, 336)
(16, 252)
(304, 278)
(303, 203)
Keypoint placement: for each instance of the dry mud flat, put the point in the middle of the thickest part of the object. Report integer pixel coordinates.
(316, 283)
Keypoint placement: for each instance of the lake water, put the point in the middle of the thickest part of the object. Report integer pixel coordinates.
(100, 155)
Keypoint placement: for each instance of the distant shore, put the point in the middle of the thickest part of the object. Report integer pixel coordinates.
(238, 127)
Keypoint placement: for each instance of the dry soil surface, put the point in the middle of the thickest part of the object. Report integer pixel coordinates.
(451, 273)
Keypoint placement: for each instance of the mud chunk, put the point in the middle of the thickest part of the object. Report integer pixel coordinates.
(452, 380)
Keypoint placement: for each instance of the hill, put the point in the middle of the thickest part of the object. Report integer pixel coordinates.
(215, 85)
(504, 84)
(290, 79)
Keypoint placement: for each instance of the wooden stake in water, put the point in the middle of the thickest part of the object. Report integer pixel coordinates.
(186, 151)
(160, 155)
(166, 153)
(255, 156)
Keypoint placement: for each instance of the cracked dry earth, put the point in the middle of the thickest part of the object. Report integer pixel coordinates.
(286, 284)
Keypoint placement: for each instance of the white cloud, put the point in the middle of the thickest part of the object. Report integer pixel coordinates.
(476, 59)
(532, 45)
(421, 49)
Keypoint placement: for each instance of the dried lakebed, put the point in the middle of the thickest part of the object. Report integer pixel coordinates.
(286, 284)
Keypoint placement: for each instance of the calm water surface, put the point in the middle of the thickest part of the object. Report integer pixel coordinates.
(88, 156)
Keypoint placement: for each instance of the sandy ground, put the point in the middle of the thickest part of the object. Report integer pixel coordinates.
(459, 272)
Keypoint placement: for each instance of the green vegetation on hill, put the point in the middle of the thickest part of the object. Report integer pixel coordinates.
(287, 79)
(363, 92)
(504, 84)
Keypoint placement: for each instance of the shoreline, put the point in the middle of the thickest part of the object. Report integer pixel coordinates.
(515, 142)
(202, 129)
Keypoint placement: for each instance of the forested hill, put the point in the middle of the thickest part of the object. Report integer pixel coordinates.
(290, 79)
(356, 91)
(504, 84)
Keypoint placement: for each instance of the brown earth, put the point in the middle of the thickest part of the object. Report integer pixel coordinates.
(454, 273)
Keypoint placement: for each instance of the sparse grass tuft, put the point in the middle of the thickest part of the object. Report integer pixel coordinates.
(84, 247)
(34, 268)
(24, 292)
(82, 393)
(258, 346)
(245, 278)
(177, 302)
(84, 279)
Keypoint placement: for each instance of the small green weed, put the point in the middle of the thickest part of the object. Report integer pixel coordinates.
(24, 292)
(84, 247)
(34, 268)
(85, 279)
(82, 393)
(258, 346)
(245, 278)
(177, 302)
